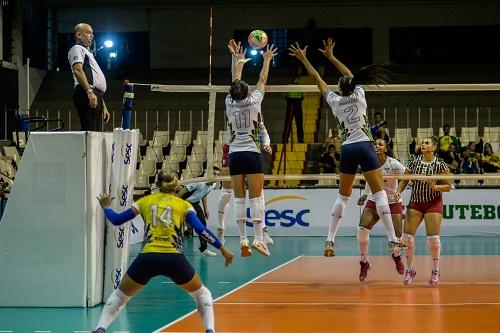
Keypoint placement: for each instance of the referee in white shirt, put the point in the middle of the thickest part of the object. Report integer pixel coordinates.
(90, 83)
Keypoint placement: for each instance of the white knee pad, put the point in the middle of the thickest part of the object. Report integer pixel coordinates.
(225, 197)
(380, 198)
(202, 297)
(339, 206)
(408, 240)
(256, 211)
(239, 210)
(363, 234)
(434, 242)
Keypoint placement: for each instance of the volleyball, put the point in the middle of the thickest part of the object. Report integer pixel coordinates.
(257, 39)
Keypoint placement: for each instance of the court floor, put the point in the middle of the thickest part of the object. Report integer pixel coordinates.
(295, 290)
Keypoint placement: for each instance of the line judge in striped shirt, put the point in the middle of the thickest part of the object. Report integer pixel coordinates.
(426, 203)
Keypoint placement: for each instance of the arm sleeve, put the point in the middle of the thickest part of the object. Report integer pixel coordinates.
(76, 54)
(119, 218)
(193, 221)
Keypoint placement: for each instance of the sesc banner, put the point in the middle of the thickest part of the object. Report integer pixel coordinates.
(306, 212)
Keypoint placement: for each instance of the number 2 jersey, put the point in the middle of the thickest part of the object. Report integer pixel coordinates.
(164, 216)
(350, 112)
(244, 121)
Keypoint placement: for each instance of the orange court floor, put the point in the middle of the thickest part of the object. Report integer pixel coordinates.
(317, 294)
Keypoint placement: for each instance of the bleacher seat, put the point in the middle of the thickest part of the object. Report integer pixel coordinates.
(7, 169)
(469, 134)
(160, 139)
(177, 153)
(154, 153)
(182, 138)
(12, 154)
(422, 133)
(201, 139)
(194, 168)
(403, 135)
(170, 165)
(147, 167)
(198, 153)
(491, 134)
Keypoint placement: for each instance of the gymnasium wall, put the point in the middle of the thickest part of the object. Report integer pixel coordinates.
(179, 36)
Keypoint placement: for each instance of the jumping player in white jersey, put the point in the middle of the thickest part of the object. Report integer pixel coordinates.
(369, 217)
(226, 192)
(349, 108)
(243, 112)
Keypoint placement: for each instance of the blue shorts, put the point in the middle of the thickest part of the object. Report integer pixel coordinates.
(357, 154)
(172, 265)
(245, 163)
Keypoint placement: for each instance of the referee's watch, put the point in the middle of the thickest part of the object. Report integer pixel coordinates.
(90, 90)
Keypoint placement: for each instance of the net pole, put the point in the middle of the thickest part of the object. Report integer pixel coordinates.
(210, 34)
(210, 134)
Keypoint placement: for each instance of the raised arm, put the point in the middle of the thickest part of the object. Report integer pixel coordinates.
(297, 52)
(268, 56)
(237, 52)
(328, 53)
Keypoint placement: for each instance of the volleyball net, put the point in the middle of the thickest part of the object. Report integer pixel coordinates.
(183, 127)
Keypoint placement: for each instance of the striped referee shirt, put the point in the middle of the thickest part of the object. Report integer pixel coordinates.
(421, 191)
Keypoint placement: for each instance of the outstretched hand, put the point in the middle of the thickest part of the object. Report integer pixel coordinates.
(233, 47)
(271, 52)
(268, 149)
(297, 52)
(228, 255)
(328, 46)
(105, 200)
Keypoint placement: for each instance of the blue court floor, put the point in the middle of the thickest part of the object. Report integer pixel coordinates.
(162, 302)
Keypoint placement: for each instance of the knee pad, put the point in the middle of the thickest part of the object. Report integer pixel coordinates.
(433, 242)
(363, 234)
(202, 297)
(380, 198)
(256, 211)
(409, 240)
(239, 210)
(339, 206)
(225, 197)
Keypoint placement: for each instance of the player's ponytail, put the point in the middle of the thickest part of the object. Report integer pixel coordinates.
(372, 74)
(167, 182)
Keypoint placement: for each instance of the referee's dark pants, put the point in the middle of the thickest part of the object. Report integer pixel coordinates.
(201, 215)
(90, 118)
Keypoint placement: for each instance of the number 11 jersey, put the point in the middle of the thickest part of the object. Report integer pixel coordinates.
(244, 119)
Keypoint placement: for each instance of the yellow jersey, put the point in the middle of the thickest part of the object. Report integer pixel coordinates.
(164, 217)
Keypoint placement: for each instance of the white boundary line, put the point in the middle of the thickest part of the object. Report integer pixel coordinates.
(360, 304)
(389, 283)
(230, 292)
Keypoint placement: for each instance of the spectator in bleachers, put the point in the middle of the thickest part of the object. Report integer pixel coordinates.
(489, 160)
(452, 158)
(330, 161)
(447, 139)
(294, 110)
(379, 130)
(89, 81)
(470, 162)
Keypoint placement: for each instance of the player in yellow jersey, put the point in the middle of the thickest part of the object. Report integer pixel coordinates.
(164, 214)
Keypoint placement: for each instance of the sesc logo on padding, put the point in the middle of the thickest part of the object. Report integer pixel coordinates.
(119, 236)
(126, 153)
(113, 153)
(285, 211)
(123, 195)
(116, 277)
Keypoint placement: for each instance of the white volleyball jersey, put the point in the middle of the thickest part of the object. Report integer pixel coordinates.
(391, 167)
(244, 119)
(350, 112)
(93, 72)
